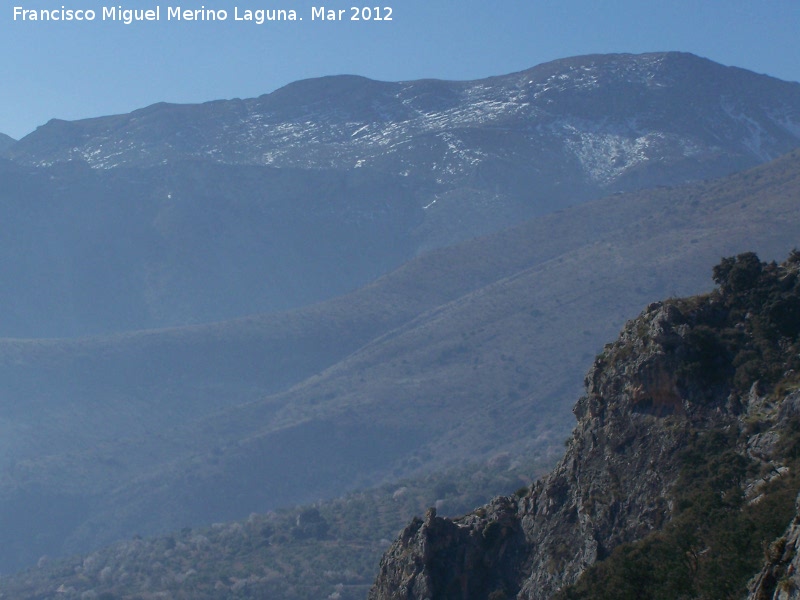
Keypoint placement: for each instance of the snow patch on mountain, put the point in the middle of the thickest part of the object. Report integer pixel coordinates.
(756, 139)
(786, 118)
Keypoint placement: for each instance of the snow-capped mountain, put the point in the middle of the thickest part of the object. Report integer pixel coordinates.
(608, 114)
(485, 153)
(243, 206)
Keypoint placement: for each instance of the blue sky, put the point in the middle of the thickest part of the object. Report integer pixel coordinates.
(73, 70)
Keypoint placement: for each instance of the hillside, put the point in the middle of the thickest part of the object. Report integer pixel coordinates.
(153, 431)
(183, 214)
(686, 448)
(307, 552)
(5, 142)
(94, 252)
(679, 479)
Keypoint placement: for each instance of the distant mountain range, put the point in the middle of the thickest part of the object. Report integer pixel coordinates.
(363, 332)
(607, 121)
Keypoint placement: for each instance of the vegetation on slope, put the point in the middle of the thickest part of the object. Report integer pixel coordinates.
(326, 550)
(717, 540)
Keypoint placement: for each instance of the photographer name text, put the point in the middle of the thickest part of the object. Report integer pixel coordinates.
(258, 16)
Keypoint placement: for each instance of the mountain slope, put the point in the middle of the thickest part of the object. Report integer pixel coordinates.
(490, 331)
(93, 252)
(681, 469)
(6, 142)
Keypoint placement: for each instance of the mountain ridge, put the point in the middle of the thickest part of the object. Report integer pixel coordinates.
(573, 105)
(179, 214)
(229, 208)
(358, 104)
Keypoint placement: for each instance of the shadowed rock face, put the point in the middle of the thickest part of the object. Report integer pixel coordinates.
(646, 401)
(780, 577)
(469, 558)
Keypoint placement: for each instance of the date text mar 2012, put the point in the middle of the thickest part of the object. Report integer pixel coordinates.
(354, 13)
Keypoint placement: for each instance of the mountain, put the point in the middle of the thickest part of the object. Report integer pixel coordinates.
(668, 107)
(483, 154)
(232, 208)
(679, 479)
(486, 340)
(6, 142)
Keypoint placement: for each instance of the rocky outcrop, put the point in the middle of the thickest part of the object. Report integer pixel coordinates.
(611, 487)
(675, 374)
(779, 579)
(476, 556)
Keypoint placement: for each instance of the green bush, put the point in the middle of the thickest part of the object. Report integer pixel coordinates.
(715, 542)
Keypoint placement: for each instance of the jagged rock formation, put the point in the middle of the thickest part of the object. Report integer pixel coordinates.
(689, 424)
(780, 578)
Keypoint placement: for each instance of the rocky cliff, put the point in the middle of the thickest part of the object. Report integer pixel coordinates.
(780, 577)
(679, 478)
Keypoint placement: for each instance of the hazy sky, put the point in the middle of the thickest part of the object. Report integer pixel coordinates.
(73, 70)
